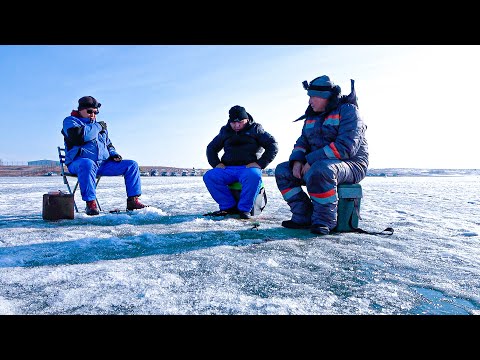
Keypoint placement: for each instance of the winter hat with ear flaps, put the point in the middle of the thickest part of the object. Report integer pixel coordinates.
(322, 87)
(88, 102)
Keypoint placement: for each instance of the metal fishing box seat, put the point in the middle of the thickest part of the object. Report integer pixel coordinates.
(65, 175)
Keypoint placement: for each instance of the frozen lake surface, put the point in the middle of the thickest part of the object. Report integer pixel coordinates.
(169, 259)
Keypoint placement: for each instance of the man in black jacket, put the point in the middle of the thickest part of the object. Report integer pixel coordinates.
(248, 149)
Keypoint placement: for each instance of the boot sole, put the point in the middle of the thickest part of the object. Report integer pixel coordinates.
(297, 226)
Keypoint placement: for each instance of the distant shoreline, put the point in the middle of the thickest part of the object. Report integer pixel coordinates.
(25, 170)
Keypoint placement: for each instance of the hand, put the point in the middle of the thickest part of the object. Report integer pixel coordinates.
(305, 168)
(117, 158)
(297, 169)
(220, 166)
(103, 124)
(253, 165)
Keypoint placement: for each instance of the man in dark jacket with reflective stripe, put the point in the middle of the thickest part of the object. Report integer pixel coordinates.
(248, 149)
(331, 150)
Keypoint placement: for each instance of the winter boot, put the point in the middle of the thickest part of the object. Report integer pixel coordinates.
(244, 215)
(133, 203)
(290, 224)
(319, 229)
(232, 210)
(92, 208)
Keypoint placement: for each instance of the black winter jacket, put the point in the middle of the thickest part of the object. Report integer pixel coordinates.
(251, 144)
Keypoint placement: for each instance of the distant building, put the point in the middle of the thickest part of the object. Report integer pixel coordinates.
(44, 163)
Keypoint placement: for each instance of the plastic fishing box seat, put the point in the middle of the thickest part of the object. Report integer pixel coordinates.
(260, 201)
(348, 211)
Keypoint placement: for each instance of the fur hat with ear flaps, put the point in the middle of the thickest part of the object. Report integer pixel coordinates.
(322, 87)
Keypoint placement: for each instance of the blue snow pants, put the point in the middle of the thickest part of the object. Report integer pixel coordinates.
(217, 181)
(87, 170)
(319, 207)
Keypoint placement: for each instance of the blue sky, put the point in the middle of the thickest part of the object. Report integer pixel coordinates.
(164, 103)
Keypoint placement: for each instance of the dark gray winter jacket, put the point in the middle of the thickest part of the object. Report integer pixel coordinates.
(334, 134)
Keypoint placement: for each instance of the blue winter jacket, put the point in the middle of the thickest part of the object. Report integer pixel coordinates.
(338, 133)
(251, 144)
(85, 139)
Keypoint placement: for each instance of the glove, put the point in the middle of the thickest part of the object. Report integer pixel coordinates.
(116, 157)
(103, 124)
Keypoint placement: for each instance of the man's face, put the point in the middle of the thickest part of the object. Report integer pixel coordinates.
(89, 113)
(318, 104)
(238, 125)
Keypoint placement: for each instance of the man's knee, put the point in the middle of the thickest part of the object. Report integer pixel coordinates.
(207, 176)
(282, 169)
(83, 165)
(132, 163)
(320, 171)
(127, 166)
(254, 173)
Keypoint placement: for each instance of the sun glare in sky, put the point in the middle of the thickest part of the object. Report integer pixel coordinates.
(163, 104)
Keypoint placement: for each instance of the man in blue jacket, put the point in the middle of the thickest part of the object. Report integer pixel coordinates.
(331, 150)
(90, 153)
(248, 149)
